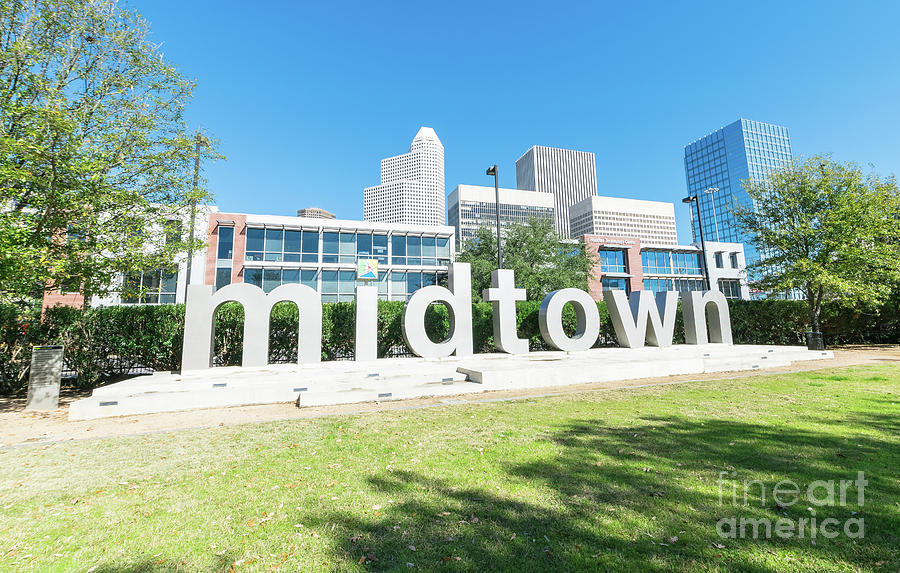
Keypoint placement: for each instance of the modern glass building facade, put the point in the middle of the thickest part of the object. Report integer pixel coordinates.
(624, 263)
(715, 167)
(268, 251)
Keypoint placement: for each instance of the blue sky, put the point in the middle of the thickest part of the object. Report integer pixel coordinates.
(306, 98)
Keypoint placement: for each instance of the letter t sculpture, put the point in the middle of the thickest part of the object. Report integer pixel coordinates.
(504, 295)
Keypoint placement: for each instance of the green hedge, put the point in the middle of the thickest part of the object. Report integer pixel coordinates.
(104, 343)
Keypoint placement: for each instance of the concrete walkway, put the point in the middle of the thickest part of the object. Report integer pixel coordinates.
(18, 427)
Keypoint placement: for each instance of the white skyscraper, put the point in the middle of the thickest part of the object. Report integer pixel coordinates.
(412, 185)
(570, 175)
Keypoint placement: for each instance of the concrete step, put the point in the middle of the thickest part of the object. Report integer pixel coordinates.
(402, 378)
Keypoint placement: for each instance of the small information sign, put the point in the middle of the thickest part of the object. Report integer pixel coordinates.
(44, 378)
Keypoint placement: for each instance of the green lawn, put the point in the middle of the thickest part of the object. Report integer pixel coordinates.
(614, 480)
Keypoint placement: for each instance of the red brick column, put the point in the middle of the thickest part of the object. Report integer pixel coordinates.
(238, 252)
(632, 248)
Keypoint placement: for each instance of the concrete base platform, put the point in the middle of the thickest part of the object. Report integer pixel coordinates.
(343, 382)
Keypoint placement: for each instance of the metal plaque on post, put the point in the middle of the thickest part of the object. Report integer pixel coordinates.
(44, 378)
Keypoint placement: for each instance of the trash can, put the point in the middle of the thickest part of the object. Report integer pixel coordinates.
(815, 341)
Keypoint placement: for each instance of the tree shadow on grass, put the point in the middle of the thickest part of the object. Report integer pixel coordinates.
(641, 498)
(162, 563)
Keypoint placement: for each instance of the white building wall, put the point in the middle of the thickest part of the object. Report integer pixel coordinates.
(729, 254)
(198, 261)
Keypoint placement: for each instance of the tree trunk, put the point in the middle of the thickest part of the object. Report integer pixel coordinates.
(814, 309)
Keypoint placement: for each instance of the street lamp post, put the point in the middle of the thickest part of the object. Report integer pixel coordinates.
(696, 200)
(198, 141)
(710, 192)
(492, 170)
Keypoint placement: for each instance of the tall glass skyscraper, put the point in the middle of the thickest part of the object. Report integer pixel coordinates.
(715, 167)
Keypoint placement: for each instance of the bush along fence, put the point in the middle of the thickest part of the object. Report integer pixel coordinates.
(105, 343)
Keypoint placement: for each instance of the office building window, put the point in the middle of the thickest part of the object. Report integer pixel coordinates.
(348, 248)
(338, 286)
(382, 285)
(330, 247)
(256, 241)
(685, 285)
(608, 283)
(310, 278)
(429, 251)
(398, 285)
(413, 250)
(612, 261)
(398, 250)
(292, 246)
(150, 287)
(443, 251)
(223, 277)
(309, 252)
(731, 288)
(720, 264)
(686, 263)
(656, 262)
(226, 242)
(380, 248)
(253, 276)
(657, 285)
(274, 245)
(734, 260)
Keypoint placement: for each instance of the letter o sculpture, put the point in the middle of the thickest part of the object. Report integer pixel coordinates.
(550, 320)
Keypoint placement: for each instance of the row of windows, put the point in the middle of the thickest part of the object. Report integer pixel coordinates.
(278, 245)
(732, 260)
(652, 262)
(679, 285)
(340, 286)
(409, 250)
(731, 288)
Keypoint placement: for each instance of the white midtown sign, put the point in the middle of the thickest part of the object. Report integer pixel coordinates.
(638, 319)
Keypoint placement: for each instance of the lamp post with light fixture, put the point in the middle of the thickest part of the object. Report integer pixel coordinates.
(696, 200)
(199, 140)
(492, 170)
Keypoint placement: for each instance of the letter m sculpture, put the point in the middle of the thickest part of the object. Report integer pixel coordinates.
(199, 322)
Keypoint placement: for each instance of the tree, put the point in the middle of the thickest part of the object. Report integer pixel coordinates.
(542, 263)
(826, 229)
(95, 158)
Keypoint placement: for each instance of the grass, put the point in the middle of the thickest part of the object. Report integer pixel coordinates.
(618, 480)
